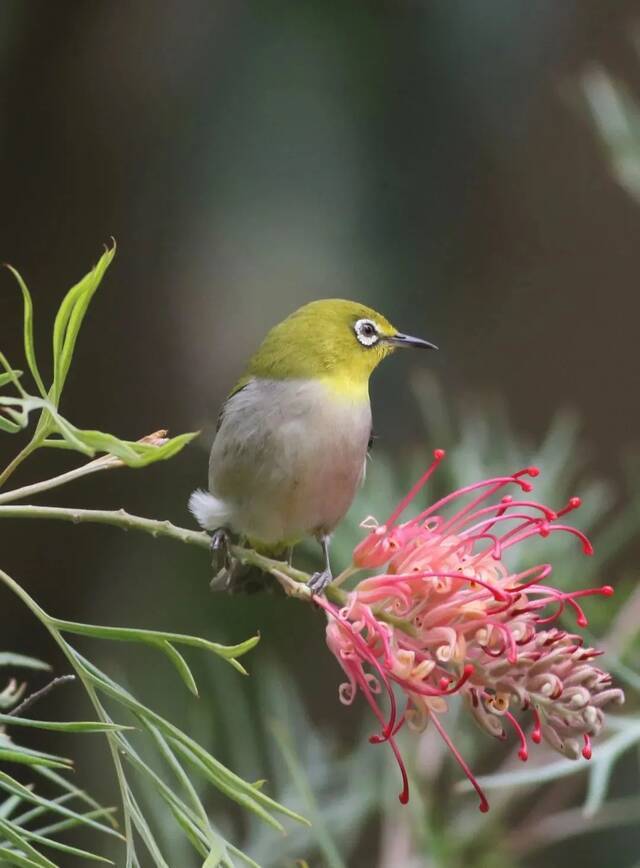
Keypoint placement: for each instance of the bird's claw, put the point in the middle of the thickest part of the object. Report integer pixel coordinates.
(319, 581)
(220, 548)
(223, 579)
(222, 560)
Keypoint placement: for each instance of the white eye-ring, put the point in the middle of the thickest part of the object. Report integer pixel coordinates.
(367, 332)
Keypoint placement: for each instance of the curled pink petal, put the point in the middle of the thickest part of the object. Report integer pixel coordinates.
(448, 617)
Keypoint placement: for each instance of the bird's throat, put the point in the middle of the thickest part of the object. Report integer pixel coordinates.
(351, 388)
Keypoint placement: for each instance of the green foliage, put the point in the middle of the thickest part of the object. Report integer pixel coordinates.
(146, 747)
(52, 429)
(19, 839)
(163, 772)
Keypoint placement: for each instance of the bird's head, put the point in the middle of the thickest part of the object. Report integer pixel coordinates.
(329, 339)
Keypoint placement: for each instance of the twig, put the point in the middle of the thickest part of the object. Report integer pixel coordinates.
(124, 520)
(17, 461)
(104, 462)
(40, 694)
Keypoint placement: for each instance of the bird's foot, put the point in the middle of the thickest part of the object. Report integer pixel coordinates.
(225, 565)
(319, 581)
(220, 548)
(224, 579)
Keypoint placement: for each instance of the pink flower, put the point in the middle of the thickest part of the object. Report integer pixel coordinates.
(447, 616)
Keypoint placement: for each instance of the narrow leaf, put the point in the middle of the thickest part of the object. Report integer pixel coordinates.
(227, 781)
(214, 858)
(44, 841)
(19, 839)
(12, 857)
(8, 426)
(69, 320)
(59, 726)
(29, 345)
(28, 757)
(8, 807)
(79, 794)
(181, 665)
(154, 637)
(9, 377)
(12, 786)
(7, 658)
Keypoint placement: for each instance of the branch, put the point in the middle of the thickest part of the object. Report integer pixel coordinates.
(104, 462)
(118, 518)
(285, 574)
(40, 694)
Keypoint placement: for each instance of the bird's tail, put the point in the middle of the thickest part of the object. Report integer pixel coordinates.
(210, 512)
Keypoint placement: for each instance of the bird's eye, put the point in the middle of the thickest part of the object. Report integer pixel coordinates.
(366, 332)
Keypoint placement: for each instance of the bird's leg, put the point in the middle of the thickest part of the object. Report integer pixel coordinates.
(221, 553)
(319, 581)
(222, 560)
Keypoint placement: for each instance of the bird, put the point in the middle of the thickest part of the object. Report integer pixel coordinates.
(293, 434)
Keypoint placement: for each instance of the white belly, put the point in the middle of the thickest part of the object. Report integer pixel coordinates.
(288, 458)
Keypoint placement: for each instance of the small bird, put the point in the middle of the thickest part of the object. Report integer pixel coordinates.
(293, 434)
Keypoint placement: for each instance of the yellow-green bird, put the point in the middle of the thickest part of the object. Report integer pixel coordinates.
(292, 437)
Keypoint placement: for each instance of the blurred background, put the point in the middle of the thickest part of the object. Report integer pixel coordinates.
(471, 169)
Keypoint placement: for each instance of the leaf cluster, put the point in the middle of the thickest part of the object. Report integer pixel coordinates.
(52, 428)
(145, 747)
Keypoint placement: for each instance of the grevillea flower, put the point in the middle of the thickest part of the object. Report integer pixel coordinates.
(448, 617)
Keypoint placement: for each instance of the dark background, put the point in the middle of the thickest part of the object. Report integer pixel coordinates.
(434, 159)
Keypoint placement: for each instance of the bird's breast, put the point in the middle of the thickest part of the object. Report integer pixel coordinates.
(289, 456)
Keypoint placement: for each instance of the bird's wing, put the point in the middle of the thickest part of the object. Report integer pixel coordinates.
(240, 385)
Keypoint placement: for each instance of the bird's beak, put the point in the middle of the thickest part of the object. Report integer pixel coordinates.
(400, 340)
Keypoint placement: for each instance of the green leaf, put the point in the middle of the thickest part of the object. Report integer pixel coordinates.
(79, 794)
(156, 638)
(12, 857)
(58, 726)
(25, 756)
(69, 320)
(181, 665)
(214, 858)
(331, 855)
(23, 407)
(17, 420)
(9, 427)
(197, 828)
(131, 452)
(11, 695)
(232, 785)
(63, 825)
(44, 841)
(37, 812)
(19, 661)
(12, 786)
(18, 838)
(12, 375)
(145, 833)
(8, 806)
(29, 345)
(9, 377)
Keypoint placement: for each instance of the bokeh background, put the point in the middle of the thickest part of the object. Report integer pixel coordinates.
(467, 168)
